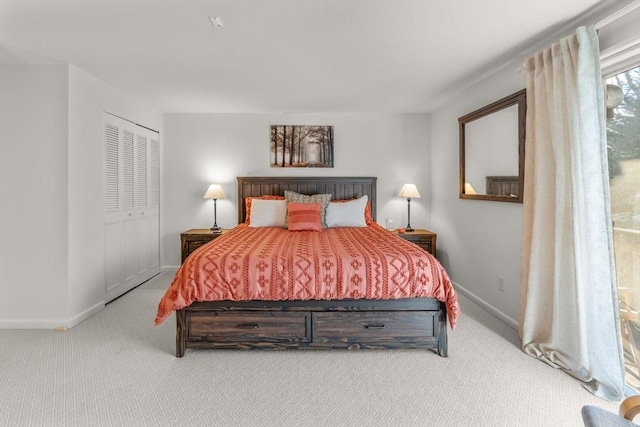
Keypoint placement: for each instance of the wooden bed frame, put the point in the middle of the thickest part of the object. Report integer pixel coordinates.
(338, 324)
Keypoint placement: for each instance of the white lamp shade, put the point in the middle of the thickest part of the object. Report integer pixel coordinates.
(215, 191)
(409, 191)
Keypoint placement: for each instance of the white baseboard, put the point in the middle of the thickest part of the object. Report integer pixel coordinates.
(51, 323)
(482, 303)
(81, 317)
(32, 324)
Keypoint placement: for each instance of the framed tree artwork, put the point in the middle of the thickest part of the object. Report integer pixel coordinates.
(294, 146)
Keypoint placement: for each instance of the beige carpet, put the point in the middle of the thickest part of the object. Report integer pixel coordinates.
(118, 369)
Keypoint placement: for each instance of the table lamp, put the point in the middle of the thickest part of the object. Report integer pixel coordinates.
(410, 192)
(215, 192)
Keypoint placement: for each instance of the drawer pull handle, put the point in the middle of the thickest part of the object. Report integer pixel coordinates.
(248, 326)
(374, 326)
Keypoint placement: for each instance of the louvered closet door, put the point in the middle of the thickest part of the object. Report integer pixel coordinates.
(153, 217)
(147, 203)
(132, 223)
(114, 268)
(130, 216)
(154, 201)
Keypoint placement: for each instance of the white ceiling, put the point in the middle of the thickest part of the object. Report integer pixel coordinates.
(281, 55)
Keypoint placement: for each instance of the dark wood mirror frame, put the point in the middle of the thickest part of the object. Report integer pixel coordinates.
(520, 99)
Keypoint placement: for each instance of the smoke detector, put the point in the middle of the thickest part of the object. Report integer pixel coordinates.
(217, 22)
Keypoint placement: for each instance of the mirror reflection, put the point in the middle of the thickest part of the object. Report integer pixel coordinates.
(490, 145)
(492, 150)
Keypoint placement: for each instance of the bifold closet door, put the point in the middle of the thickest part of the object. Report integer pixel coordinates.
(132, 196)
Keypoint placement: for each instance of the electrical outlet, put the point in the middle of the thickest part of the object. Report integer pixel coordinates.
(501, 283)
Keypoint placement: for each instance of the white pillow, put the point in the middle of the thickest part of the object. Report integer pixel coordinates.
(347, 214)
(267, 213)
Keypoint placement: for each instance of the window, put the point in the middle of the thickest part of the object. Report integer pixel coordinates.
(623, 147)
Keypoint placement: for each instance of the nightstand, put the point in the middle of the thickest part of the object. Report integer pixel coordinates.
(194, 238)
(424, 238)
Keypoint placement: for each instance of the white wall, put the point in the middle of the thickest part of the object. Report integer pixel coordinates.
(200, 149)
(51, 223)
(33, 194)
(478, 240)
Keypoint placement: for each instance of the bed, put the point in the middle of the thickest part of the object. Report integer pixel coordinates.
(336, 320)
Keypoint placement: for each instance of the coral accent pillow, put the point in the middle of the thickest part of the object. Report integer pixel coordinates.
(247, 204)
(304, 216)
(323, 199)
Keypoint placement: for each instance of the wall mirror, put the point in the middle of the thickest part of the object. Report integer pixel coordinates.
(492, 150)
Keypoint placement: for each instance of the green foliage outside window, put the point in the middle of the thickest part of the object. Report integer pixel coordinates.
(623, 128)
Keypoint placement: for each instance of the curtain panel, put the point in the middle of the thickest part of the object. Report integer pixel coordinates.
(569, 311)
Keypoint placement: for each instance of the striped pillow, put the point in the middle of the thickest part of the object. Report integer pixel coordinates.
(323, 199)
(304, 216)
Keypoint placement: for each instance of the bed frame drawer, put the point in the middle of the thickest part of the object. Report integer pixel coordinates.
(344, 324)
(238, 327)
(384, 329)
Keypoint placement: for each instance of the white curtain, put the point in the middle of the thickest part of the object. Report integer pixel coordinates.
(569, 310)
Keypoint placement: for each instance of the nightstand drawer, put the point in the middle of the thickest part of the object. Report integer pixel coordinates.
(378, 328)
(192, 239)
(249, 326)
(424, 238)
(424, 244)
(192, 246)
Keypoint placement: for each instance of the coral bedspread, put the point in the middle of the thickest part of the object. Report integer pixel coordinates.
(275, 264)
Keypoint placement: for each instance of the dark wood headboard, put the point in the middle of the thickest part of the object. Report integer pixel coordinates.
(339, 187)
